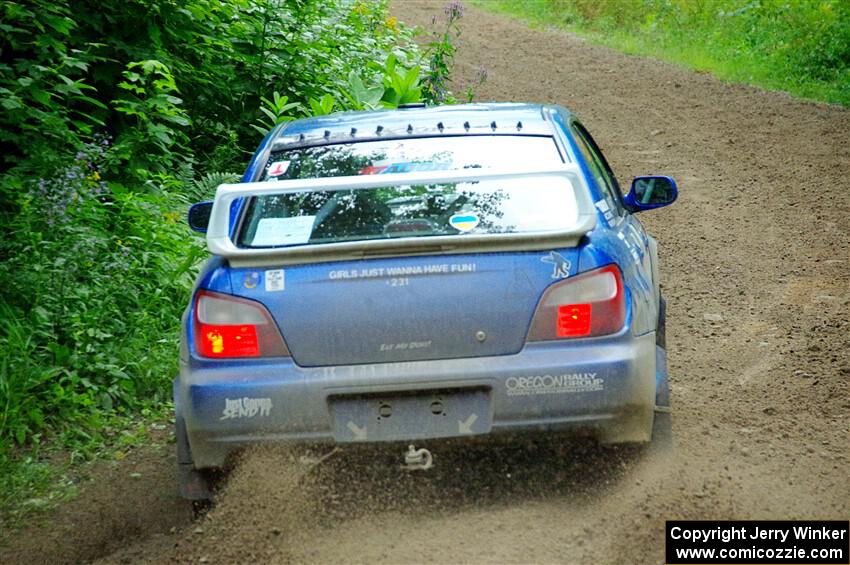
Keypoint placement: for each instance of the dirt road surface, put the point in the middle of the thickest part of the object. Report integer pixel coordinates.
(756, 270)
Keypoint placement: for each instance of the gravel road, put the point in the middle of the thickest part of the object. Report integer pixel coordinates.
(756, 269)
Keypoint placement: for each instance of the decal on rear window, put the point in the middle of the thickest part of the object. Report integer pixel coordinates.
(283, 231)
(278, 168)
(464, 222)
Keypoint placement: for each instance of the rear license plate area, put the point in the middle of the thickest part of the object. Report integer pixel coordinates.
(409, 416)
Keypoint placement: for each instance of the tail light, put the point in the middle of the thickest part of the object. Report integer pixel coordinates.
(226, 327)
(587, 305)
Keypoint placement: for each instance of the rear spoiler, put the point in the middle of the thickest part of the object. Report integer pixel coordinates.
(219, 241)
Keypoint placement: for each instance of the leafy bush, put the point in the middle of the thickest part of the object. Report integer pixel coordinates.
(95, 277)
(163, 77)
(156, 140)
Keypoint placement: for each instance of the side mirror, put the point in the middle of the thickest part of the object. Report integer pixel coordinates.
(199, 216)
(648, 193)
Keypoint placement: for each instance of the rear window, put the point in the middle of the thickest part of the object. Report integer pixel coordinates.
(330, 216)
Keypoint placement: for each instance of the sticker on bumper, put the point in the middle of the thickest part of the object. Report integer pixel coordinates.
(554, 384)
(246, 408)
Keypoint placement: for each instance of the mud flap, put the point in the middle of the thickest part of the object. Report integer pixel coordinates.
(661, 328)
(662, 430)
(193, 484)
(662, 383)
(662, 424)
(633, 425)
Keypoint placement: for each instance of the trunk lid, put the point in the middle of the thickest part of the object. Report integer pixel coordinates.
(407, 308)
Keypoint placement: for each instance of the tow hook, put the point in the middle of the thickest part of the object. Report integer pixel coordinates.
(417, 459)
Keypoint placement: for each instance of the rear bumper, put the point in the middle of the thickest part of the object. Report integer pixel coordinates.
(606, 385)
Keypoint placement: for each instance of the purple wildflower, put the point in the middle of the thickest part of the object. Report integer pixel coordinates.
(454, 11)
(57, 197)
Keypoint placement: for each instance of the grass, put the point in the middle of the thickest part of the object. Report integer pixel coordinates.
(798, 46)
(36, 479)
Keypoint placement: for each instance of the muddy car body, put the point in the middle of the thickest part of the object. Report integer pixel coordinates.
(422, 273)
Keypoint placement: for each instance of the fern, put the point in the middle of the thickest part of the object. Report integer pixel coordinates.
(204, 188)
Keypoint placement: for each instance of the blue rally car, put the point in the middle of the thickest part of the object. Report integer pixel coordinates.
(422, 273)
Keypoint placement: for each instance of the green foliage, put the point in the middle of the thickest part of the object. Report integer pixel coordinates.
(204, 188)
(441, 53)
(401, 85)
(95, 279)
(480, 78)
(324, 105)
(802, 46)
(26, 484)
(212, 60)
(36, 479)
(155, 140)
(396, 84)
(276, 111)
(45, 91)
(360, 96)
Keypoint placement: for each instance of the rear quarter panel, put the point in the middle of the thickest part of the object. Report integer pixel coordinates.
(622, 241)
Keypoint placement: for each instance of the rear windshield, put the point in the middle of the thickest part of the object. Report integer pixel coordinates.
(329, 216)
